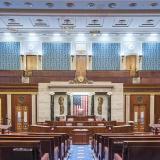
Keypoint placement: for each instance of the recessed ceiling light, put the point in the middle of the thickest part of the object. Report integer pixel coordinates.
(153, 4)
(50, 4)
(133, 4)
(70, 4)
(112, 5)
(28, 4)
(7, 4)
(91, 4)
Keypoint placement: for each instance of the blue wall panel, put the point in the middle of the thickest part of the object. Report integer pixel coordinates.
(151, 56)
(106, 56)
(56, 56)
(9, 55)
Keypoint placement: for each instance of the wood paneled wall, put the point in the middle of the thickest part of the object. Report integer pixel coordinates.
(11, 77)
(113, 76)
(149, 74)
(47, 76)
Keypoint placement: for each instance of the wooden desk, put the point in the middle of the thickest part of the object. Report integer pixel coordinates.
(80, 136)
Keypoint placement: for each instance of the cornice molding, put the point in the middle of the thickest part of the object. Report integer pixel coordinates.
(37, 12)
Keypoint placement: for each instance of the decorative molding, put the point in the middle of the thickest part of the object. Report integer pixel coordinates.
(80, 85)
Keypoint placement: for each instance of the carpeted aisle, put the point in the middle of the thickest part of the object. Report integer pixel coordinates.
(80, 152)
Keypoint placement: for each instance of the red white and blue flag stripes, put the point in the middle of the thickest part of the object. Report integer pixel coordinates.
(80, 105)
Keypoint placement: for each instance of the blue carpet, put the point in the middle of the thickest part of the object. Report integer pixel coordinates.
(80, 152)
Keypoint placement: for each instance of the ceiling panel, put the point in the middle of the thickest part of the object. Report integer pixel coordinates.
(127, 22)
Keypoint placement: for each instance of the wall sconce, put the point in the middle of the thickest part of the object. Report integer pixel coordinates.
(122, 58)
(90, 56)
(140, 58)
(72, 57)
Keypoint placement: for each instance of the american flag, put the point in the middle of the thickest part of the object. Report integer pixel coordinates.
(80, 105)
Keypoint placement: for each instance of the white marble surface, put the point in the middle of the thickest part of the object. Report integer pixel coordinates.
(43, 100)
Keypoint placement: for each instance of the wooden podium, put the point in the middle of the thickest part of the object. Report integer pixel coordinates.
(80, 136)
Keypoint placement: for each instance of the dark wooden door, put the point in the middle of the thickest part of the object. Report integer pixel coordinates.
(21, 112)
(3, 109)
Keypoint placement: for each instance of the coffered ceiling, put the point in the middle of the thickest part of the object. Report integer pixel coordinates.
(105, 16)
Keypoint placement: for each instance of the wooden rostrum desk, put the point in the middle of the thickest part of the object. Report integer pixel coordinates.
(80, 136)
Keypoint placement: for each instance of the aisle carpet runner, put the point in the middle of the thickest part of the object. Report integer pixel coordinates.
(80, 152)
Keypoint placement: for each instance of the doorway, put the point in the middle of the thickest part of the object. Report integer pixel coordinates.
(22, 118)
(139, 118)
(131, 63)
(21, 112)
(140, 112)
(3, 109)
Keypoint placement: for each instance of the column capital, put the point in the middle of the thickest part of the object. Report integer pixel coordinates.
(109, 93)
(51, 93)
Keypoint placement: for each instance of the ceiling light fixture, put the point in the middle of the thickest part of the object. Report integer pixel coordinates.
(49, 4)
(133, 4)
(91, 4)
(28, 4)
(70, 4)
(153, 4)
(112, 5)
(7, 4)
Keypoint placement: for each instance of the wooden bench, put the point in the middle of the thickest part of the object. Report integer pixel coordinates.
(97, 138)
(141, 150)
(47, 143)
(102, 141)
(115, 144)
(58, 140)
(20, 150)
(63, 145)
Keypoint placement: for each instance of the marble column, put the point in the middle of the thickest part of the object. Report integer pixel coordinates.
(34, 114)
(68, 105)
(52, 106)
(9, 106)
(92, 105)
(152, 109)
(127, 108)
(109, 106)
